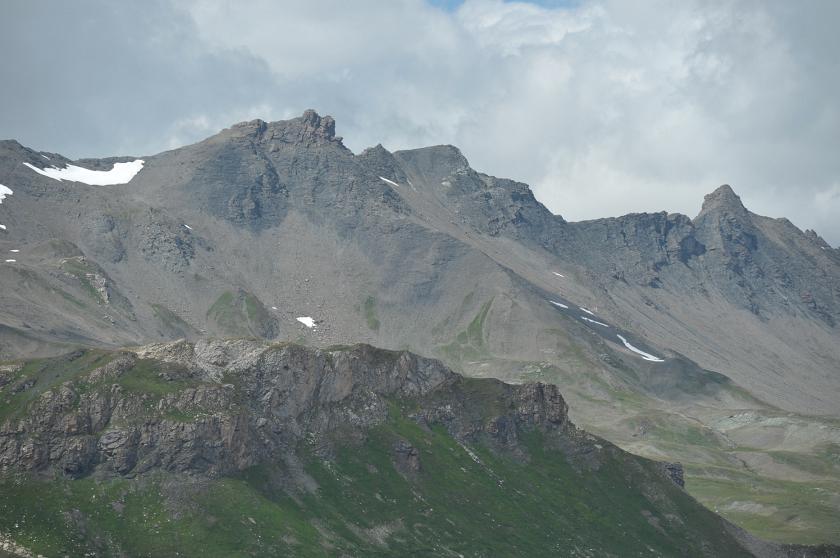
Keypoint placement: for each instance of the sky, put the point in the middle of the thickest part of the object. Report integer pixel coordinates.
(604, 107)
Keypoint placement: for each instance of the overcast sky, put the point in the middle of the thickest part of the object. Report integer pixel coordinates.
(603, 107)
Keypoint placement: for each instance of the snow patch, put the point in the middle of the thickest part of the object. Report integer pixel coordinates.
(307, 321)
(594, 321)
(560, 304)
(646, 356)
(590, 312)
(391, 182)
(558, 274)
(11, 261)
(121, 173)
(4, 191)
(14, 251)
(274, 308)
(189, 228)
(45, 157)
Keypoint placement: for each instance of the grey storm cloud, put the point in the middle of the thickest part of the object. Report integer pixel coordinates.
(604, 107)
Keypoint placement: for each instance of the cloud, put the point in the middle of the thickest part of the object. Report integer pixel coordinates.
(97, 78)
(602, 106)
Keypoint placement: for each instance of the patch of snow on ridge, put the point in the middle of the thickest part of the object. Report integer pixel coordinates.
(121, 173)
(11, 261)
(5, 191)
(560, 304)
(558, 274)
(590, 312)
(646, 356)
(14, 251)
(391, 182)
(593, 321)
(189, 228)
(307, 321)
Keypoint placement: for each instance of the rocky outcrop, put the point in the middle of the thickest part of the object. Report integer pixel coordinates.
(9, 547)
(724, 199)
(406, 457)
(214, 408)
(764, 265)
(638, 249)
(674, 471)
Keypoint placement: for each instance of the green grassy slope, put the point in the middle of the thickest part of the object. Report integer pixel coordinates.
(242, 314)
(784, 495)
(461, 502)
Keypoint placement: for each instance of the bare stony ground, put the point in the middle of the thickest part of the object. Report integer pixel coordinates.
(264, 223)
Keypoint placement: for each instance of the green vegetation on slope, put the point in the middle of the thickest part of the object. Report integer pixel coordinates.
(171, 321)
(39, 375)
(797, 490)
(370, 313)
(81, 269)
(463, 501)
(779, 510)
(469, 344)
(241, 314)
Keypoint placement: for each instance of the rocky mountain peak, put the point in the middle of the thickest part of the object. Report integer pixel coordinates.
(317, 126)
(248, 128)
(309, 129)
(724, 198)
(812, 235)
(380, 162)
(447, 159)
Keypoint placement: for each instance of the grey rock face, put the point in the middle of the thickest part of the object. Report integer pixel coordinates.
(674, 471)
(406, 457)
(294, 224)
(280, 396)
(491, 205)
(756, 263)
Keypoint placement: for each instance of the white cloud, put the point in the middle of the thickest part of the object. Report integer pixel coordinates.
(604, 108)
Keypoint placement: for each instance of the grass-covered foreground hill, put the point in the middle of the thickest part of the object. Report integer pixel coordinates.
(239, 448)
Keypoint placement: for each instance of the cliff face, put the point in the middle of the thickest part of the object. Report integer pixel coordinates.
(763, 265)
(217, 408)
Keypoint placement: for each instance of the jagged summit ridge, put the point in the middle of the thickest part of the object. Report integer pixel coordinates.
(416, 224)
(252, 389)
(723, 198)
(309, 129)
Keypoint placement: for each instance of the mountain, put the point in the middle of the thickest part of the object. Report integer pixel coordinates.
(712, 341)
(242, 448)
